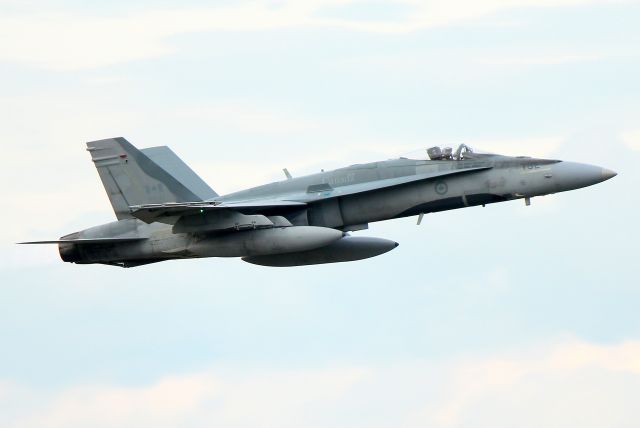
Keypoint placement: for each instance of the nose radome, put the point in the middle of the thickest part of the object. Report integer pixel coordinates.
(607, 174)
(572, 175)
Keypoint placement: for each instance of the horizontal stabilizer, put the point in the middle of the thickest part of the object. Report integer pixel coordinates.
(86, 241)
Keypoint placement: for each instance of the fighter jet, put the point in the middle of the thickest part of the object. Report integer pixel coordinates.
(165, 211)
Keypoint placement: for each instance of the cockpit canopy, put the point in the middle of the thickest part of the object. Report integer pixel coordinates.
(446, 153)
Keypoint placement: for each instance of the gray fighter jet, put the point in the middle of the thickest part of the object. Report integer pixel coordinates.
(165, 211)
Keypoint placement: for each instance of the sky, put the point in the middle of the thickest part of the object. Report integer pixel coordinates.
(483, 317)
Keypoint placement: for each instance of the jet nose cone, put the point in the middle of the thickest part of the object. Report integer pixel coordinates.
(607, 174)
(571, 175)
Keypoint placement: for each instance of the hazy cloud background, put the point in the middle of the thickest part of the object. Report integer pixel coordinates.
(502, 316)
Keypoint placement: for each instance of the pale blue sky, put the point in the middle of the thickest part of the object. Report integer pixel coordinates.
(502, 316)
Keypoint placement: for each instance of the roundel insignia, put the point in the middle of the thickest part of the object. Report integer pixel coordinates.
(441, 188)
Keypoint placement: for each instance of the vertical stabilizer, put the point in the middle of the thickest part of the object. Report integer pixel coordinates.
(131, 178)
(166, 159)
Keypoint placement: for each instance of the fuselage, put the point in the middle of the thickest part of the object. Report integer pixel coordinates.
(504, 178)
(346, 199)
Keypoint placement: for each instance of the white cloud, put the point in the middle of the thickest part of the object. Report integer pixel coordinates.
(548, 386)
(519, 385)
(166, 403)
(194, 400)
(632, 139)
(71, 41)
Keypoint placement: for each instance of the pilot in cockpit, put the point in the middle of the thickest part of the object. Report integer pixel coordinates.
(446, 153)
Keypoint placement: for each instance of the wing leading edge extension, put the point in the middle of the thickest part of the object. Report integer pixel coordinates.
(326, 192)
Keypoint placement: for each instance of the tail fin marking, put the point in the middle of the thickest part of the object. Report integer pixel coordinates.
(131, 178)
(166, 159)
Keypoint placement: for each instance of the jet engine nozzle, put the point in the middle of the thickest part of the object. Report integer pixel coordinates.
(70, 253)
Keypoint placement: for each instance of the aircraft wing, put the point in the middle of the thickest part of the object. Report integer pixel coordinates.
(155, 212)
